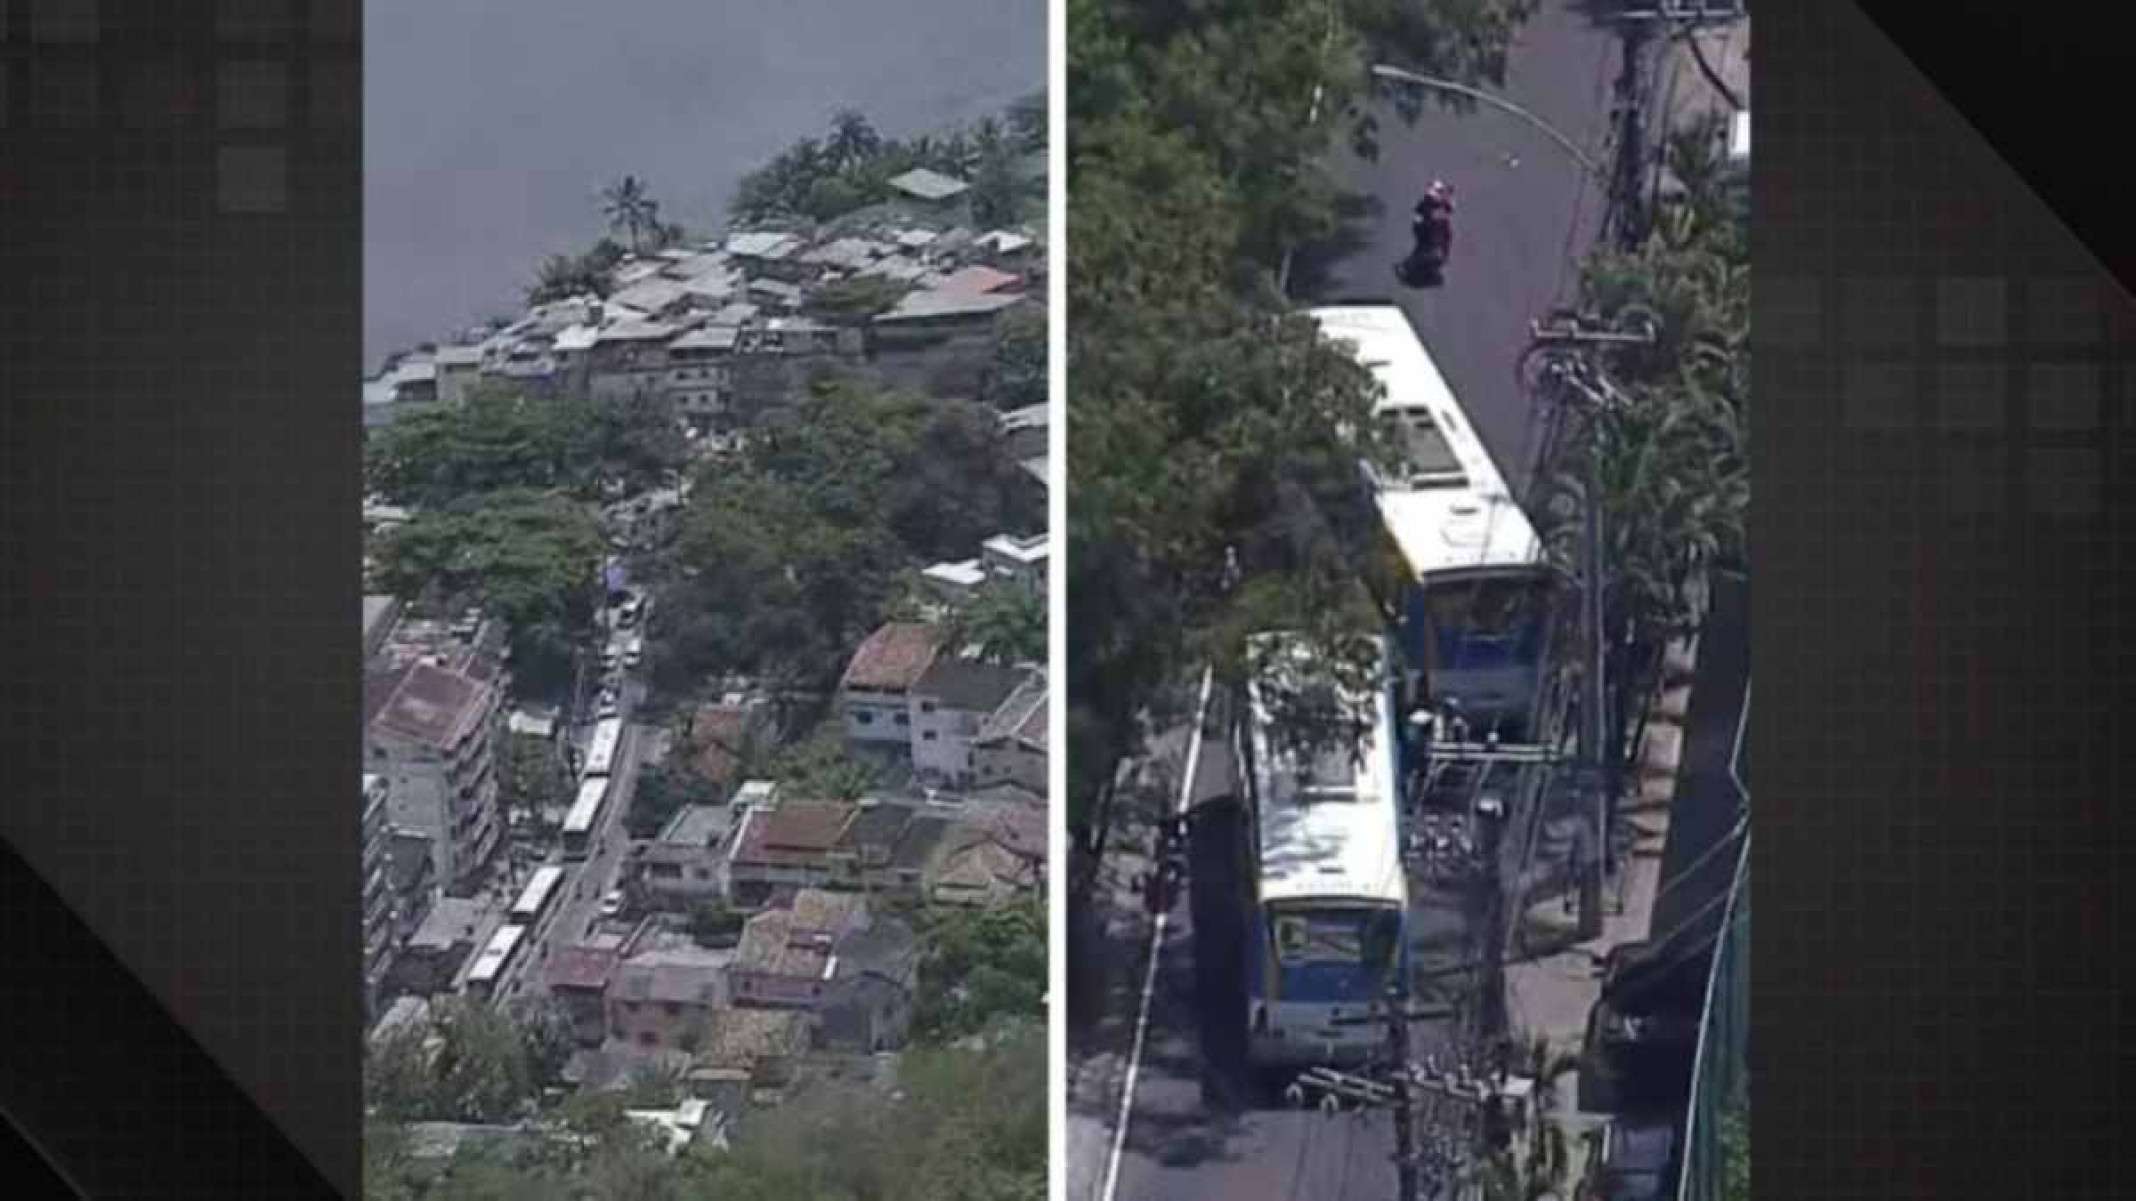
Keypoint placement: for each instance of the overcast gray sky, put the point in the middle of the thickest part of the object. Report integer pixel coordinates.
(490, 125)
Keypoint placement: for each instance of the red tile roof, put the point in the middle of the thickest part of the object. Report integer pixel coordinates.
(717, 733)
(796, 833)
(977, 280)
(893, 658)
(586, 968)
(432, 705)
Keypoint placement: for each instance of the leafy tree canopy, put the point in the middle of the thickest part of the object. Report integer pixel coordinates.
(789, 553)
(981, 967)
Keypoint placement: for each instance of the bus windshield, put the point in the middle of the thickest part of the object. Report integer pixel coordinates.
(1335, 954)
(1496, 623)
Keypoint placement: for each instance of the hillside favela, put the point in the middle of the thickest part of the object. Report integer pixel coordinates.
(704, 799)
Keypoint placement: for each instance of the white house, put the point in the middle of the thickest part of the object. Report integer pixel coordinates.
(876, 692)
(920, 194)
(949, 704)
(1011, 743)
(1020, 559)
(698, 373)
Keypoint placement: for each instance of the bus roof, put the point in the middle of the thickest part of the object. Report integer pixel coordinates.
(1329, 827)
(1447, 507)
(601, 752)
(492, 959)
(539, 886)
(587, 807)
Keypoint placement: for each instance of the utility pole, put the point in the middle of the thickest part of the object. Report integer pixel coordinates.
(1629, 223)
(1597, 723)
(1405, 1135)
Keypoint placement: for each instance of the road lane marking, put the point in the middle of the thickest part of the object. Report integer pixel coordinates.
(1149, 979)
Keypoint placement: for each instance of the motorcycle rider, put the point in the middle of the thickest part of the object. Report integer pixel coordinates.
(1434, 225)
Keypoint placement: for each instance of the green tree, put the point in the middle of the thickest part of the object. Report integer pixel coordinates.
(398, 1083)
(853, 141)
(485, 1069)
(962, 1126)
(662, 790)
(981, 967)
(630, 209)
(638, 439)
(1668, 459)
(1006, 621)
(1018, 375)
(715, 923)
(499, 438)
(529, 557)
(389, 1170)
(1027, 122)
(547, 1031)
(1735, 1150)
(534, 779)
(821, 768)
(797, 546)
(1216, 436)
(560, 277)
(487, 1172)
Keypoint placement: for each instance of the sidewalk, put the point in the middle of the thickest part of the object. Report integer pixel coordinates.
(1098, 1053)
(1550, 995)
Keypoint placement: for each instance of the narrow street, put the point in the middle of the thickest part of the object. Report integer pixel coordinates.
(1525, 212)
(585, 882)
(1193, 1130)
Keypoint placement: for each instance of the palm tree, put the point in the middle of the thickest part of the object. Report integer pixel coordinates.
(1027, 119)
(630, 209)
(853, 140)
(1006, 623)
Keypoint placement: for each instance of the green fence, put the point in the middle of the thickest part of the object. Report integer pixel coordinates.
(1717, 1128)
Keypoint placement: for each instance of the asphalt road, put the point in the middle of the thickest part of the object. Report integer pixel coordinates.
(1525, 211)
(1199, 1125)
(585, 882)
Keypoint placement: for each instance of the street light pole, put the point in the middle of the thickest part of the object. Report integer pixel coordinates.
(1399, 75)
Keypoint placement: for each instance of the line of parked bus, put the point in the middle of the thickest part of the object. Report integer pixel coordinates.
(1329, 932)
(543, 892)
(594, 780)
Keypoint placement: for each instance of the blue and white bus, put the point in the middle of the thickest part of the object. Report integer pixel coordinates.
(1475, 592)
(1327, 939)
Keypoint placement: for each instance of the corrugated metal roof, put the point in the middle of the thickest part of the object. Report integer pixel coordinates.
(929, 185)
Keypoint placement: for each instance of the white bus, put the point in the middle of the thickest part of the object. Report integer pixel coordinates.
(585, 814)
(601, 752)
(1475, 592)
(536, 899)
(1328, 932)
(493, 959)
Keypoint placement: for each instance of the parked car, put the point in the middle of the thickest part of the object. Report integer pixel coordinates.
(1638, 1160)
(612, 903)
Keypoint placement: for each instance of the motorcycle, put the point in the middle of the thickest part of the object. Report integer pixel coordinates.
(1432, 229)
